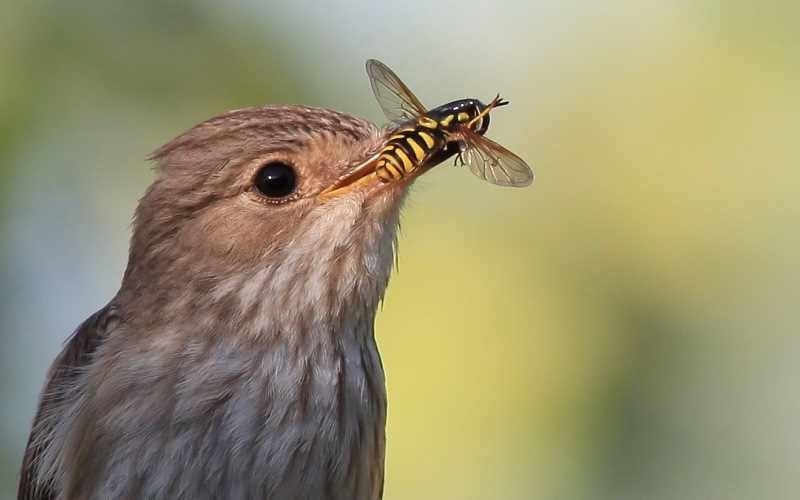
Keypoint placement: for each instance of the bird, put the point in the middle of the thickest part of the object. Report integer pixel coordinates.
(238, 358)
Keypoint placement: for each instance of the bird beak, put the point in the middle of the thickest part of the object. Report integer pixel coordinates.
(365, 172)
(361, 174)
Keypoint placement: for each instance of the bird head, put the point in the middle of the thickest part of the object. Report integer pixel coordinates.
(277, 201)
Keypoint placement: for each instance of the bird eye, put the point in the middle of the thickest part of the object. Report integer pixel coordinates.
(275, 180)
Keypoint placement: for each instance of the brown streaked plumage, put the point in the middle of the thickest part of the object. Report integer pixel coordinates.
(237, 359)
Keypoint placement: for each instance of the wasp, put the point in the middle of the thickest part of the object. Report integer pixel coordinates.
(423, 133)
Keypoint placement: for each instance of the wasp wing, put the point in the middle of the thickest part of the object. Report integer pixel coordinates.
(492, 162)
(396, 100)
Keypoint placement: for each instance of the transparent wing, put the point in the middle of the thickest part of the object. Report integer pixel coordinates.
(492, 162)
(396, 100)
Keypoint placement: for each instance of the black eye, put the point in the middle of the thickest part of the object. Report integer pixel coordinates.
(275, 180)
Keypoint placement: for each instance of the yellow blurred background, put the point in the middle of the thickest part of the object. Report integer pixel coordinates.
(626, 328)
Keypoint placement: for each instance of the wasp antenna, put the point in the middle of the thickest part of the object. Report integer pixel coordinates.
(498, 101)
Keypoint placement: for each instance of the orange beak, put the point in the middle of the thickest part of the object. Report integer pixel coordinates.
(361, 174)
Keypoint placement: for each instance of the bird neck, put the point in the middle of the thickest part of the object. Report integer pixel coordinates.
(279, 358)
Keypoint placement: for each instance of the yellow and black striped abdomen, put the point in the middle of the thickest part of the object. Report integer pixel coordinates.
(408, 148)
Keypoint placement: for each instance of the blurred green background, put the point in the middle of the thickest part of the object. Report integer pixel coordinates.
(626, 328)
